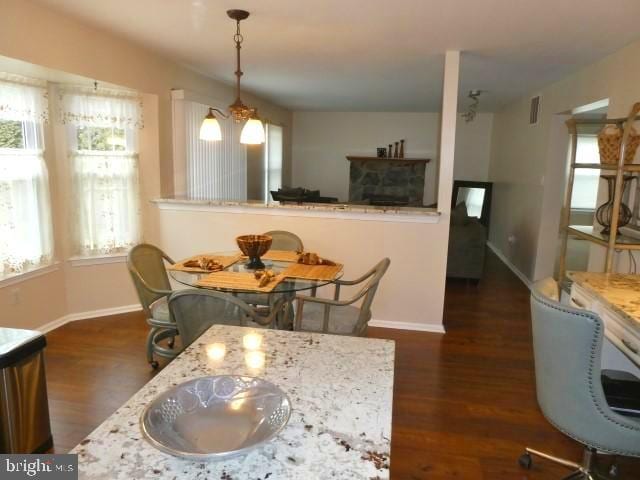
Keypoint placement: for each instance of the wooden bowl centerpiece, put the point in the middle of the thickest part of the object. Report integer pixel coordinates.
(254, 246)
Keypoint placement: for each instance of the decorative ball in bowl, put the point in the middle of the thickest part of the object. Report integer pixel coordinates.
(254, 246)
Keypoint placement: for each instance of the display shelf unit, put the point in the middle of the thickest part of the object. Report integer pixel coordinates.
(613, 241)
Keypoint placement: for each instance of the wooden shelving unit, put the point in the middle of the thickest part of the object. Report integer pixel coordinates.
(613, 241)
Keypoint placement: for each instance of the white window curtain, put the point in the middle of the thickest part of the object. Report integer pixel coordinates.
(86, 107)
(215, 170)
(26, 239)
(273, 159)
(102, 137)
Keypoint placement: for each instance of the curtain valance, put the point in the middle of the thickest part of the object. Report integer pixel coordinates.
(100, 108)
(23, 99)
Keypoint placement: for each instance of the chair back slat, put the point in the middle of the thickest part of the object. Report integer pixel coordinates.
(196, 310)
(283, 240)
(146, 264)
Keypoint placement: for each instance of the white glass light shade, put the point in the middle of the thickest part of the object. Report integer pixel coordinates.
(252, 132)
(210, 129)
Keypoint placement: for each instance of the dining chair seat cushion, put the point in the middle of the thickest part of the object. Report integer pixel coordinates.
(160, 310)
(342, 320)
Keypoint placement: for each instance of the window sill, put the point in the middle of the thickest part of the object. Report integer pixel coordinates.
(15, 278)
(98, 260)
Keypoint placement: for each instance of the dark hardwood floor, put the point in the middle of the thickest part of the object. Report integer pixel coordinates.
(464, 402)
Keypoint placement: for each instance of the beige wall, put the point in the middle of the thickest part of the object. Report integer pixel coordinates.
(525, 159)
(44, 38)
(321, 140)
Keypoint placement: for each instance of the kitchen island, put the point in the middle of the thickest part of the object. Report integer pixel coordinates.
(341, 392)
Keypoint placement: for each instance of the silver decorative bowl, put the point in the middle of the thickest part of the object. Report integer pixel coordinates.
(216, 417)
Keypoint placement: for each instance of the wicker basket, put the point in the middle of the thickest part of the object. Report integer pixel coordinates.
(609, 140)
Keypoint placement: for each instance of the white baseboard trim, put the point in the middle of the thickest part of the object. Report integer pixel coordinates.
(420, 327)
(523, 278)
(72, 317)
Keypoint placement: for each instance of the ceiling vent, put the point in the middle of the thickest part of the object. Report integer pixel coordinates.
(534, 110)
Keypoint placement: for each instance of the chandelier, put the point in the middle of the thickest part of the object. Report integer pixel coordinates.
(253, 130)
(472, 110)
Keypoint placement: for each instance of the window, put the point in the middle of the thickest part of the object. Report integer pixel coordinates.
(102, 131)
(25, 209)
(585, 186)
(273, 159)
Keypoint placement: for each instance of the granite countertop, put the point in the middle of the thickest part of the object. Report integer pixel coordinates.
(13, 338)
(341, 390)
(316, 207)
(619, 291)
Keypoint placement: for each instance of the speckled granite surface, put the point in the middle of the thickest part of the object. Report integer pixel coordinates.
(619, 291)
(311, 207)
(341, 389)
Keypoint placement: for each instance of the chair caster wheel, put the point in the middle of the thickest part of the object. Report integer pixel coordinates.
(154, 364)
(525, 461)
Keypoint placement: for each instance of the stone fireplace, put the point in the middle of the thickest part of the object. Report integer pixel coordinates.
(386, 181)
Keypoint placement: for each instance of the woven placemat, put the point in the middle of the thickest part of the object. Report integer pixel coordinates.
(312, 272)
(225, 260)
(281, 256)
(238, 281)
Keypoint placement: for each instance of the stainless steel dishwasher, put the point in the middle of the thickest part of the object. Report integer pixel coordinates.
(24, 409)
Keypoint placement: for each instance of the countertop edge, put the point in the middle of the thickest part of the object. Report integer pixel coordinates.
(354, 212)
(577, 277)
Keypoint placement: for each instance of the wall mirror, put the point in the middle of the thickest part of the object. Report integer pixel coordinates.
(476, 196)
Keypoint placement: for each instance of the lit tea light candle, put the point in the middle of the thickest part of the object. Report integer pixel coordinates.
(216, 351)
(252, 341)
(255, 360)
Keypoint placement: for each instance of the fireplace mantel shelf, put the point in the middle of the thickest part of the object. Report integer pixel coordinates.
(389, 159)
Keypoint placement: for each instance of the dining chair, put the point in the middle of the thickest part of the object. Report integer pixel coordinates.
(195, 310)
(314, 314)
(146, 264)
(283, 240)
(567, 347)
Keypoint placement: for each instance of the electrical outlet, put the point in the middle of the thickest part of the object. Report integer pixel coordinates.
(15, 296)
(511, 239)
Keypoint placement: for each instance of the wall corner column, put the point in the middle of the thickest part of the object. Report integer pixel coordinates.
(448, 129)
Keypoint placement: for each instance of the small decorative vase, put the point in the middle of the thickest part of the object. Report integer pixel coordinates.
(604, 213)
(390, 151)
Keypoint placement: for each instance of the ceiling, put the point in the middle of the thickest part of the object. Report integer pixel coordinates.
(374, 55)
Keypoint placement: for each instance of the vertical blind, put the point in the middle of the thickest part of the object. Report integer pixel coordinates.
(215, 170)
(273, 159)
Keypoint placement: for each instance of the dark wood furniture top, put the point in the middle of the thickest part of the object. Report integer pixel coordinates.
(389, 159)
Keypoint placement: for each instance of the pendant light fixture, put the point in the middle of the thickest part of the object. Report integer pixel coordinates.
(253, 130)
